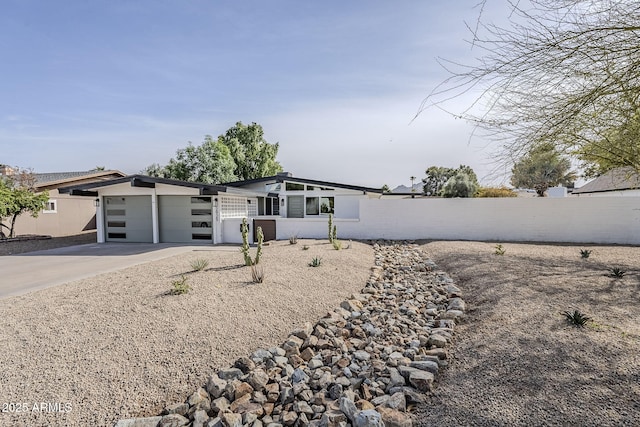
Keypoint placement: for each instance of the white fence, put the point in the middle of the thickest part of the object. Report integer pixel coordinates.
(570, 219)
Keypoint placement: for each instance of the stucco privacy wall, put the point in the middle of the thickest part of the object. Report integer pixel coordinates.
(585, 220)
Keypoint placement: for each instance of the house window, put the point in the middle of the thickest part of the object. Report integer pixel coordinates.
(326, 205)
(319, 205)
(196, 212)
(51, 207)
(272, 206)
(292, 186)
(313, 208)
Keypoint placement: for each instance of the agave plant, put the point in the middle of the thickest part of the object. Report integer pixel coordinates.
(500, 250)
(584, 253)
(315, 262)
(617, 272)
(199, 264)
(576, 318)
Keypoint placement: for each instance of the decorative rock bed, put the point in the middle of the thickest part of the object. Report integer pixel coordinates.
(363, 364)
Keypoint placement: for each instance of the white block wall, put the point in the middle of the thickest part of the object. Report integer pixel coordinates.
(571, 219)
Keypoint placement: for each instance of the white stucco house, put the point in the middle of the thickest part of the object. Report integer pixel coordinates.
(140, 208)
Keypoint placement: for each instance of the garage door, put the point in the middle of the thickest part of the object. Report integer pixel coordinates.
(185, 219)
(128, 219)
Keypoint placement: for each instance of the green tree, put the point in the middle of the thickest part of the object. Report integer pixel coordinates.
(18, 196)
(542, 167)
(560, 71)
(461, 184)
(437, 177)
(209, 163)
(385, 189)
(618, 147)
(254, 157)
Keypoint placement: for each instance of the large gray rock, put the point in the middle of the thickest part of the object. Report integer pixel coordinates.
(139, 422)
(173, 420)
(215, 386)
(368, 418)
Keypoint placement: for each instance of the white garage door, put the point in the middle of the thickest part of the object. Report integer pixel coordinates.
(128, 219)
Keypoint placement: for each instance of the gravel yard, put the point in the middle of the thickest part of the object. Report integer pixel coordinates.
(115, 346)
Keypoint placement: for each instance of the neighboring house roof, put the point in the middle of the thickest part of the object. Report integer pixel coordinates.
(625, 178)
(284, 176)
(48, 181)
(147, 182)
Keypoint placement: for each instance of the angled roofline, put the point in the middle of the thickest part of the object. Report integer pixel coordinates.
(142, 181)
(618, 179)
(96, 174)
(283, 178)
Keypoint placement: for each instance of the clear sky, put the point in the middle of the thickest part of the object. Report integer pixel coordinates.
(124, 84)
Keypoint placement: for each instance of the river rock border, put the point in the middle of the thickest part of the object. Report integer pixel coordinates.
(363, 364)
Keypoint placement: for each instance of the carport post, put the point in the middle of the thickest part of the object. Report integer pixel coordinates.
(154, 217)
(100, 226)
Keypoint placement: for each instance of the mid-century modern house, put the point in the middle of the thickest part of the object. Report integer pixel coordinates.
(140, 208)
(64, 215)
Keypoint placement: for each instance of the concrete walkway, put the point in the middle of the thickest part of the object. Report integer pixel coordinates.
(23, 273)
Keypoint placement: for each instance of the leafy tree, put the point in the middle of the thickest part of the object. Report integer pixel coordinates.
(560, 71)
(253, 155)
(461, 184)
(18, 196)
(385, 189)
(438, 176)
(210, 163)
(541, 168)
(617, 148)
(241, 153)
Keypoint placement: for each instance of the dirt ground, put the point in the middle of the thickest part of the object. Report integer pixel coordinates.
(517, 361)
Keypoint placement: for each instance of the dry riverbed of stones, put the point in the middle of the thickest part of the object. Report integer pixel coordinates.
(363, 364)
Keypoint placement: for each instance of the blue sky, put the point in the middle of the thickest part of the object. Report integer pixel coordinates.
(124, 84)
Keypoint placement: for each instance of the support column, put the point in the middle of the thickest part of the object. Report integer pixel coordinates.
(154, 217)
(100, 225)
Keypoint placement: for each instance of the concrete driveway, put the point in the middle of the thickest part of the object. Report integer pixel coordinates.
(23, 273)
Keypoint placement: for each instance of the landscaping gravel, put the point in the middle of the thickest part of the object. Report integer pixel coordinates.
(116, 346)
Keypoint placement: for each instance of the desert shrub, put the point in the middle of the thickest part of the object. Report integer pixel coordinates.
(180, 286)
(199, 264)
(617, 272)
(305, 248)
(315, 262)
(500, 250)
(293, 240)
(459, 185)
(257, 273)
(496, 192)
(576, 318)
(337, 244)
(584, 253)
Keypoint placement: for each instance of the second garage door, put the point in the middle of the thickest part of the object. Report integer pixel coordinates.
(185, 219)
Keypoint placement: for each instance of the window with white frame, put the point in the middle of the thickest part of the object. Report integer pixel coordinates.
(233, 207)
(51, 207)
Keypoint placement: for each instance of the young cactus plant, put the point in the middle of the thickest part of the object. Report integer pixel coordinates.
(244, 228)
(331, 229)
